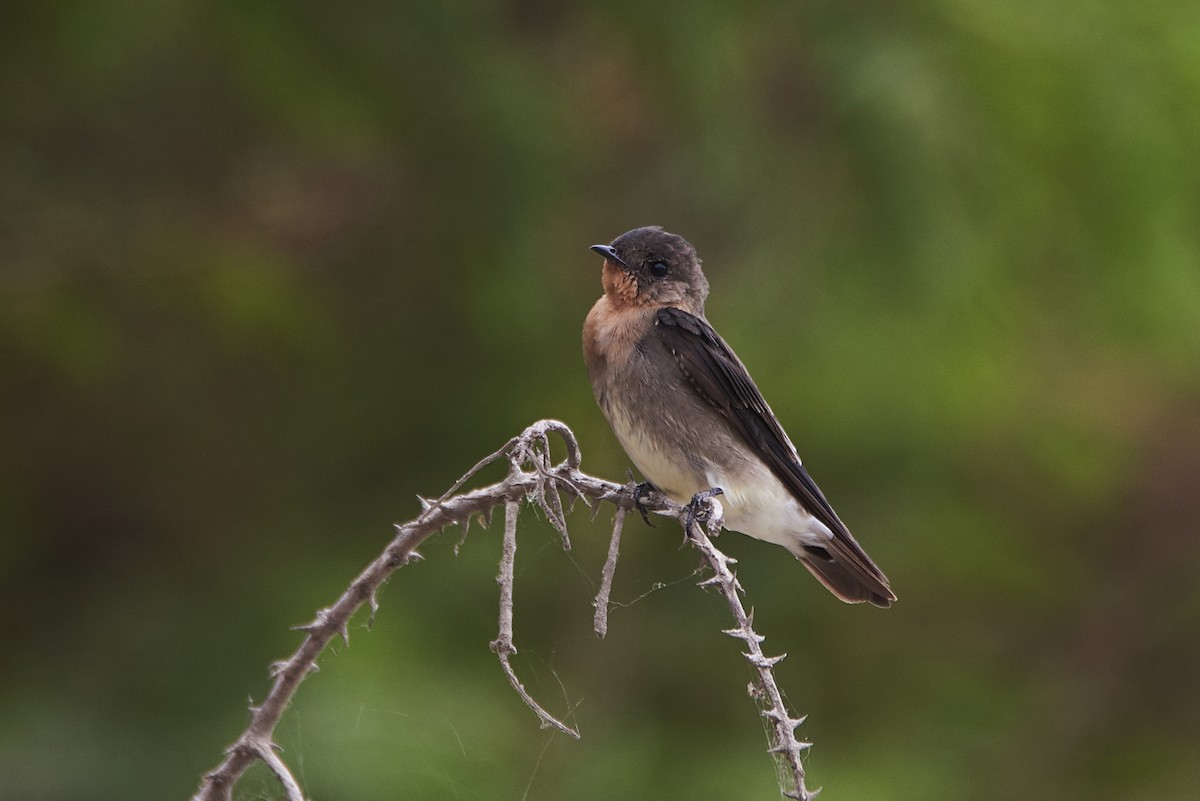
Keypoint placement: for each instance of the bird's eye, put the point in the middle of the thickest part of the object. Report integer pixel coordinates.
(658, 269)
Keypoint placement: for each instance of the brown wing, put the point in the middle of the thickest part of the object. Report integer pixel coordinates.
(720, 378)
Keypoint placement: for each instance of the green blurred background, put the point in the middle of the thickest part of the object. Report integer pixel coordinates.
(268, 270)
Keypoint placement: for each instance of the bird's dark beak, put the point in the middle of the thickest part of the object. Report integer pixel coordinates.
(609, 253)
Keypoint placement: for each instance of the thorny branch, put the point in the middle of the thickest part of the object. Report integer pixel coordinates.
(533, 477)
(784, 745)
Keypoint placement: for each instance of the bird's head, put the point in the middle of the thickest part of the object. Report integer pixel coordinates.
(652, 267)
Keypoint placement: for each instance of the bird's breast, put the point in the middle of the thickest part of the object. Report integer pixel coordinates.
(675, 438)
(653, 450)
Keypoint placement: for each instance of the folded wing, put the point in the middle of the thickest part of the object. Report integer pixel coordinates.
(718, 376)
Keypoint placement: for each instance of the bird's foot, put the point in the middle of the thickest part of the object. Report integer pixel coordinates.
(641, 491)
(699, 509)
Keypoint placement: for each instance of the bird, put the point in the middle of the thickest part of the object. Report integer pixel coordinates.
(692, 420)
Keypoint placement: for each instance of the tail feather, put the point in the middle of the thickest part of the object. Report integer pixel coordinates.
(845, 581)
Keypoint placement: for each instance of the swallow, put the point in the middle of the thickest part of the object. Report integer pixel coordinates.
(690, 417)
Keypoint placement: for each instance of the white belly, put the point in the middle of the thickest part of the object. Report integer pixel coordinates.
(756, 503)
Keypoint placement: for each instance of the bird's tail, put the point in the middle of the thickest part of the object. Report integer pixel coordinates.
(853, 580)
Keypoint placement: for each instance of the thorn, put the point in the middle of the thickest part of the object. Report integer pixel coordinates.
(466, 528)
(789, 747)
(320, 620)
(373, 600)
(745, 634)
(764, 661)
(276, 668)
(426, 505)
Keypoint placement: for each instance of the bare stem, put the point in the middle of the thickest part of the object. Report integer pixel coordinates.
(266, 752)
(532, 477)
(784, 745)
(600, 622)
(503, 644)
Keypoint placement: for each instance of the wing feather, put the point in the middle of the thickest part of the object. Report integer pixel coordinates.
(717, 374)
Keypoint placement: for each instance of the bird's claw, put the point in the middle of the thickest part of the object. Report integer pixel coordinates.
(698, 509)
(641, 491)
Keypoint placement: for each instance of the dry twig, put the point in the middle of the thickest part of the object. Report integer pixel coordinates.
(503, 644)
(784, 745)
(533, 477)
(600, 622)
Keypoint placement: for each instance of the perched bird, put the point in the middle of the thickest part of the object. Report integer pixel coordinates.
(690, 417)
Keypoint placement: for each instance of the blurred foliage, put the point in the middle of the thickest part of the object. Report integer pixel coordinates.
(268, 270)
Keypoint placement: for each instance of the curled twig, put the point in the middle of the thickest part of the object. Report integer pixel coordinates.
(503, 644)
